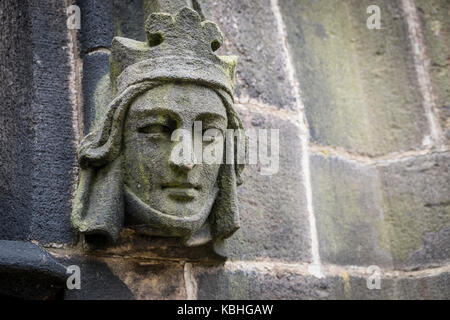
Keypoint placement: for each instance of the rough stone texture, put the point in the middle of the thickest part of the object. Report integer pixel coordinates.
(54, 139)
(216, 283)
(129, 18)
(358, 85)
(259, 284)
(435, 248)
(15, 121)
(250, 32)
(360, 92)
(97, 24)
(421, 287)
(126, 279)
(135, 245)
(101, 20)
(346, 200)
(29, 272)
(425, 287)
(435, 18)
(274, 224)
(416, 205)
(148, 181)
(393, 215)
(38, 147)
(95, 85)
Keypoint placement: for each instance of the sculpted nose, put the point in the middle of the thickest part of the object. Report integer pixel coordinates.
(181, 164)
(182, 156)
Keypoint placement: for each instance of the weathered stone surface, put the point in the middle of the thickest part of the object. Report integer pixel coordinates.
(393, 215)
(29, 272)
(54, 142)
(15, 121)
(217, 283)
(37, 136)
(125, 279)
(419, 287)
(346, 200)
(359, 86)
(135, 245)
(129, 18)
(435, 287)
(250, 283)
(435, 18)
(435, 248)
(250, 32)
(96, 89)
(97, 24)
(274, 220)
(416, 207)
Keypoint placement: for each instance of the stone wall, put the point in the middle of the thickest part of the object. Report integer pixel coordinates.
(364, 126)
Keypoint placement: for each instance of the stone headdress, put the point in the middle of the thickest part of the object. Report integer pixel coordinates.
(179, 47)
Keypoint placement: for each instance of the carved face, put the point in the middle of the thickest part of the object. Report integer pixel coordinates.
(153, 169)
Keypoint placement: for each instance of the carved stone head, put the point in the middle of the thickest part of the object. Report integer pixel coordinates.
(133, 173)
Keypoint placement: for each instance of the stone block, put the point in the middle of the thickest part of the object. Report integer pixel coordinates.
(16, 126)
(135, 245)
(97, 24)
(130, 16)
(37, 139)
(435, 19)
(358, 85)
(273, 215)
(250, 32)
(281, 283)
(96, 89)
(54, 141)
(394, 215)
(125, 279)
(218, 283)
(347, 207)
(402, 287)
(416, 205)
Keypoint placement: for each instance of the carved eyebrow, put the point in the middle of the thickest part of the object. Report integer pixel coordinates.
(210, 117)
(156, 113)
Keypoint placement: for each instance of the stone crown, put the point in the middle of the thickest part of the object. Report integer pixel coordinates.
(178, 47)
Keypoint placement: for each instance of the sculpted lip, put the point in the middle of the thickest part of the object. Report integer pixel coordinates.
(181, 191)
(180, 185)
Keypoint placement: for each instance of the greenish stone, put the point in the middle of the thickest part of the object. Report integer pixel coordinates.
(347, 206)
(119, 278)
(274, 219)
(131, 170)
(402, 287)
(250, 28)
(416, 205)
(359, 86)
(435, 19)
(395, 215)
(217, 282)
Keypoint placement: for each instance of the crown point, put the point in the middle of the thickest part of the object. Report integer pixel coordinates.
(157, 26)
(187, 14)
(181, 43)
(212, 32)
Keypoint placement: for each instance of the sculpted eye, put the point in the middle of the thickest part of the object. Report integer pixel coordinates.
(210, 135)
(156, 130)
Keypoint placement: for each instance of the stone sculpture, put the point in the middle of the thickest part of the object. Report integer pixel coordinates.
(131, 171)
